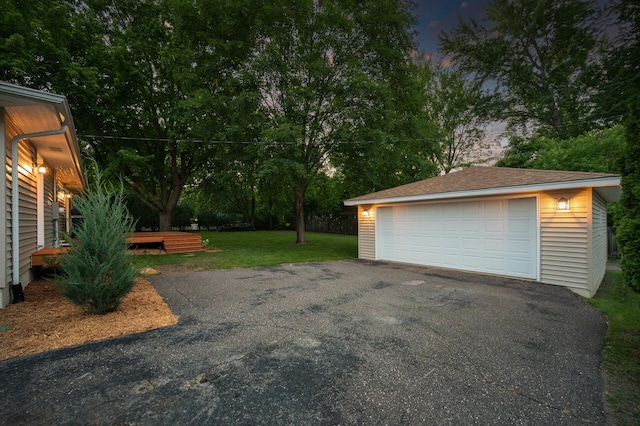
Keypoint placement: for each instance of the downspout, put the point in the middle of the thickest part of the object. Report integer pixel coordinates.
(16, 286)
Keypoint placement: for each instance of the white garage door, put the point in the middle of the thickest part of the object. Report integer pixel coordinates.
(496, 237)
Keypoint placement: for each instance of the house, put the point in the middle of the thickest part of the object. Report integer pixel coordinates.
(547, 226)
(40, 140)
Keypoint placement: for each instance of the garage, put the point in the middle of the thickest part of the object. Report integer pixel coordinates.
(542, 225)
(496, 237)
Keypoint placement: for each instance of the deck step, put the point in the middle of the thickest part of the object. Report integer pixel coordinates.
(184, 243)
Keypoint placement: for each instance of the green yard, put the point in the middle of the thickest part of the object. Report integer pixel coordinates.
(621, 359)
(261, 248)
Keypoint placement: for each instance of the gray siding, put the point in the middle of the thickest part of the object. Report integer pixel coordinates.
(28, 209)
(367, 234)
(11, 131)
(49, 229)
(564, 240)
(598, 242)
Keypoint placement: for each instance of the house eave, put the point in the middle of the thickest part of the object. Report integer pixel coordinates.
(36, 111)
(608, 188)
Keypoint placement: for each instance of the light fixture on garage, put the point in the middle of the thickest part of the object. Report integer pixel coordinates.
(365, 212)
(564, 205)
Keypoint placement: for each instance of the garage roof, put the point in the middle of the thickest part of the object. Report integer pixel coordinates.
(483, 181)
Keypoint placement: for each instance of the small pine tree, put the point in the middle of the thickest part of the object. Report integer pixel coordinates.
(98, 271)
(628, 225)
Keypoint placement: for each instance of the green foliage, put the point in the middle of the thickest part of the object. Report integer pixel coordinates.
(621, 305)
(458, 110)
(596, 151)
(538, 53)
(628, 238)
(98, 272)
(621, 62)
(326, 70)
(628, 224)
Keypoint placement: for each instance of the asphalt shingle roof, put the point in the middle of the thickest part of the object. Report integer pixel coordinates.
(481, 178)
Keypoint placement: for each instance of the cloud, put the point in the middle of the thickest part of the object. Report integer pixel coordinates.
(464, 5)
(434, 23)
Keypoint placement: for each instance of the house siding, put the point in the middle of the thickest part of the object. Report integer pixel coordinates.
(598, 242)
(28, 209)
(367, 234)
(564, 240)
(49, 228)
(10, 131)
(4, 288)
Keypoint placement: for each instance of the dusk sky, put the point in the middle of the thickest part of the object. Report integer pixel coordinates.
(435, 16)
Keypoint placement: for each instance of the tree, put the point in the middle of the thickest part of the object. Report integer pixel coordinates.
(539, 54)
(98, 272)
(173, 77)
(621, 79)
(324, 70)
(457, 109)
(45, 45)
(628, 224)
(595, 151)
(144, 78)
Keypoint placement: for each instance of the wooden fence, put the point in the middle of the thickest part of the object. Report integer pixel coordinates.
(347, 225)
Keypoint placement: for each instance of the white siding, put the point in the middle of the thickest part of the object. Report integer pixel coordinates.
(598, 242)
(564, 240)
(367, 234)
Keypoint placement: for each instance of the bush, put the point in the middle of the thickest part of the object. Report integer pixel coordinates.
(628, 221)
(98, 271)
(628, 238)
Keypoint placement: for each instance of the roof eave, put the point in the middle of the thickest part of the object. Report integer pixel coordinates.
(15, 95)
(607, 182)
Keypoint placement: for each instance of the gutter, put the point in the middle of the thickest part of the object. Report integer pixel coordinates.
(16, 286)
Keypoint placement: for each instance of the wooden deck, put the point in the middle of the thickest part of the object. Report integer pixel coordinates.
(47, 256)
(172, 242)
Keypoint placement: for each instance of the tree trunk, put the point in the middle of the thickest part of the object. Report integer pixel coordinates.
(300, 239)
(253, 208)
(165, 221)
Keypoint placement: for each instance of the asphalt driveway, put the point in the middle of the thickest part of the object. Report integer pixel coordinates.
(347, 342)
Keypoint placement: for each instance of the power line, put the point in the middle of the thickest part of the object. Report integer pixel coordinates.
(228, 142)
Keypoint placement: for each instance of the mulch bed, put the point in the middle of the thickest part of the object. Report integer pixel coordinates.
(46, 320)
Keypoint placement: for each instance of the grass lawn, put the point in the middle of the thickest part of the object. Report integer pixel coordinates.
(261, 248)
(621, 360)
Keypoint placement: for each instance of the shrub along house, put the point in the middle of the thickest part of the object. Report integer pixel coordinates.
(40, 141)
(547, 226)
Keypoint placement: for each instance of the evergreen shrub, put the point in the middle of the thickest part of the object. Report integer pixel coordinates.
(98, 271)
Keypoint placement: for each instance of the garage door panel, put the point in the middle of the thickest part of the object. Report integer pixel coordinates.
(498, 237)
(493, 225)
(520, 246)
(471, 243)
(472, 261)
(495, 245)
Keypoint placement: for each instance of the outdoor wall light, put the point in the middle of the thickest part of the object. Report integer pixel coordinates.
(365, 212)
(564, 205)
(42, 169)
